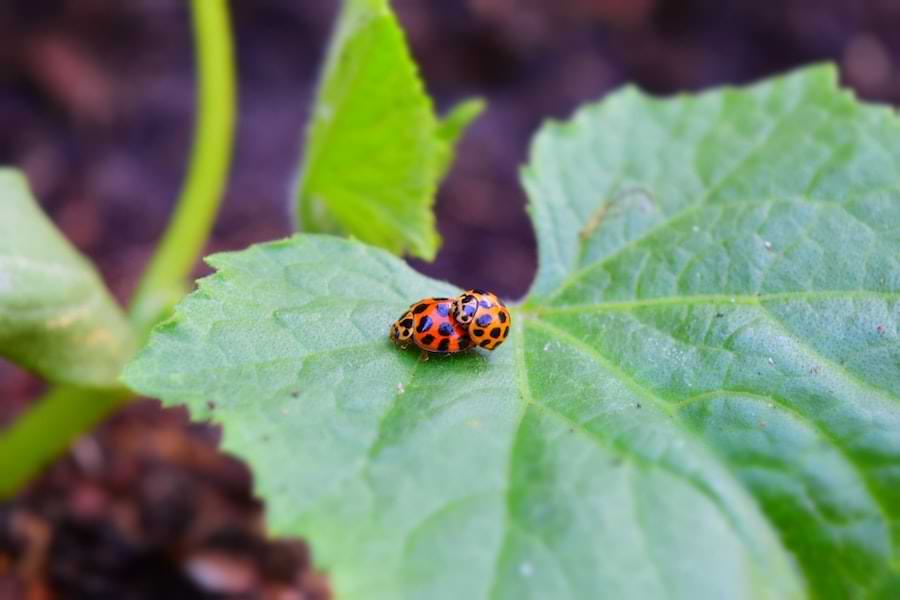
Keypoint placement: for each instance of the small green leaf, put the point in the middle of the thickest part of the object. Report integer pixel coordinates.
(700, 398)
(376, 152)
(453, 127)
(56, 317)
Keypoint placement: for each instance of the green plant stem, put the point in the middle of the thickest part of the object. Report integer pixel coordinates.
(164, 280)
(66, 412)
(47, 429)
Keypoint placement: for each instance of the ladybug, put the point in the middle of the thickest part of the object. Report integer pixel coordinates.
(485, 317)
(429, 323)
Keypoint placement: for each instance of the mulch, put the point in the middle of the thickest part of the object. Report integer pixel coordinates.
(146, 507)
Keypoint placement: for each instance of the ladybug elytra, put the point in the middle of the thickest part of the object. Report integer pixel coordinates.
(485, 317)
(430, 325)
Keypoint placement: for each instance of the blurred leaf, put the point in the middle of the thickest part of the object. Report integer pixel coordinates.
(375, 151)
(699, 398)
(453, 127)
(56, 317)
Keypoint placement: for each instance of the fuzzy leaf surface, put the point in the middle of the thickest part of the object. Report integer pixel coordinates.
(56, 316)
(698, 399)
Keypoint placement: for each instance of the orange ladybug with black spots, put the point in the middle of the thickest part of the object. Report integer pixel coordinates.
(430, 325)
(484, 316)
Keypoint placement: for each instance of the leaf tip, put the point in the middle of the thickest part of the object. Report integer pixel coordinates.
(459, 118)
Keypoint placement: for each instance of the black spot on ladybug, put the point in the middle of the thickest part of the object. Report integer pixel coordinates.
(420, 308)
(443, 309)
(484, 304)
(406, 323)
(485, 343)
(445, 329)
(478, 332)
(502, 317)
(495, 332)
(445, 343)
(484, 320)
(506, 332)
(428, 339)
(424, 324)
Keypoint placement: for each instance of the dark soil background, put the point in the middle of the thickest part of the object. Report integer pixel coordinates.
(96, 101)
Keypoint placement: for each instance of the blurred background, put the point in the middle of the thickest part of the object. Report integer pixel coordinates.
(96, 104)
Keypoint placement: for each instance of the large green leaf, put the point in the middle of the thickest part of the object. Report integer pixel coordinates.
(56, 317)
(699, 398)
(375, 151)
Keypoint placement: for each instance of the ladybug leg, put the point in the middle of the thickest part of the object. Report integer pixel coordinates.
(423, 356)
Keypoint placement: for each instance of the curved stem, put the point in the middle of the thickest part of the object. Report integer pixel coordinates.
(164, 280)
(66, 412)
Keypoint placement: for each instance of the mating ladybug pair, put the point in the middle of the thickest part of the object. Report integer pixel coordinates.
(448, 325)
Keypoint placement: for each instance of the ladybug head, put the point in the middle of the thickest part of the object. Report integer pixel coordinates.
(464, 309)
(402, 329)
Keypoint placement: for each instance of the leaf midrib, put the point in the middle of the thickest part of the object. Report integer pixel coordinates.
(866, 482)
(528, 400)
(700, 299)
(759, 301)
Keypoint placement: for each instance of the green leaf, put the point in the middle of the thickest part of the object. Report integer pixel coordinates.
(453, 127)
(699, 397)
(376, 152)
(56, 316)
